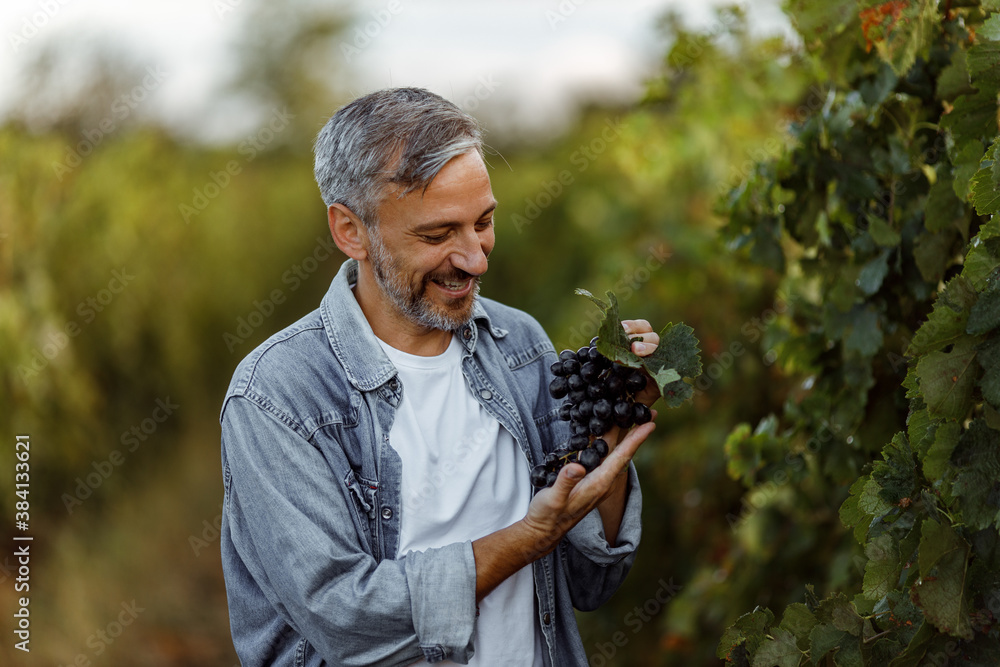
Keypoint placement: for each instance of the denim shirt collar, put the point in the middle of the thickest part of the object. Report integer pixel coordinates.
(353, 342)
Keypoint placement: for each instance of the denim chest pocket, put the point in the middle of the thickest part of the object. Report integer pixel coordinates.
(521, 356)
(363, 492)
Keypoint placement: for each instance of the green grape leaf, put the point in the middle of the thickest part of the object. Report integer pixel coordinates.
(984, 66)
(954, 79)
(991, 416)
(946, 323)
(612, 341)
(983, 257)
(779, 649)
(917, 648)
(989, 358)
(849, 654)
(984, 187)
(966, 160)
(871, 501)
(676, 357)
(972, 118)
(821, 21)
(985, 314)
(900, 41)
(947, 379)
(940, 592)
(825, 638)
(938, 458)
(840, 612)
(883, 567)
(919, 430)
(749, 628)
(798, 620)
(851, 514)
(990, 29)
(977, 458)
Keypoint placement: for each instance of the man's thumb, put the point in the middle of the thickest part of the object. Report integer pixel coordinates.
(570, 476)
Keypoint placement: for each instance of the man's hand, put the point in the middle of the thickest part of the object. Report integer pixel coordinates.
(650, 339)
(553, 511)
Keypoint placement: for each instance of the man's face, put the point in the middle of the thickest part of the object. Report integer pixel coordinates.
(432, 246)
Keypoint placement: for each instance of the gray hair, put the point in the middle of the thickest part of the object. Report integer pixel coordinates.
(401, 136)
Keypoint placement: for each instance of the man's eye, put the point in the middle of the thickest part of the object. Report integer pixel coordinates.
(435, 239)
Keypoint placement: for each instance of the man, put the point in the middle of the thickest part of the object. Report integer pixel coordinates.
(376, 453)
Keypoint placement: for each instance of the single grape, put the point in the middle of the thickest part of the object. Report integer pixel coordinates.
(589, 459)
(580, 428)
(557, 369)
(570, 367)
(576, 383)
(565, 412)
(603, 409)
(589, 371)
(595, 356)
(615, 385)
(600, 446)
(623, 413)
(550, 459)
(559, 387)
(583, 354)
(539, 476)
(641, 414)
(595, 390)
(577, 396)
(579, 441)
(636, 382)
(551, 477)
(566, 355)
(586, 408)
(598, 426)
(593, 341)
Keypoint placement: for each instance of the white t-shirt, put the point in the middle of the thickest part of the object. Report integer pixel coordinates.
(464, 477)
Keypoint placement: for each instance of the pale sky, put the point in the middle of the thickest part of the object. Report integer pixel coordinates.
(524, 61)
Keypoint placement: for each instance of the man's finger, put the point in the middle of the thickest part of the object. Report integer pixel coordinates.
(569, 477)
(637, 326)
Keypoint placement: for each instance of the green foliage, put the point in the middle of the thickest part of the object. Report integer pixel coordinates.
(881, 220)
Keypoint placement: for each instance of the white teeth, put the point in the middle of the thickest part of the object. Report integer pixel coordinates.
(454, 286)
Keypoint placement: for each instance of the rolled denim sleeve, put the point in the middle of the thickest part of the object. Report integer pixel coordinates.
(287, 520)
(596, 569)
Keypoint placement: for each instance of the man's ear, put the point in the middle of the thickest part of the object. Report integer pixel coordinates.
(348, 231)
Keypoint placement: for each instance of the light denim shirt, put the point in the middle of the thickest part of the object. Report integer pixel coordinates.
(312, 508)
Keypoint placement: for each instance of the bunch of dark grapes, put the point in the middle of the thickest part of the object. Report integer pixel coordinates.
(599, 395)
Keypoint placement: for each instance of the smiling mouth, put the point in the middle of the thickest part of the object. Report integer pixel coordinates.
(455, 288)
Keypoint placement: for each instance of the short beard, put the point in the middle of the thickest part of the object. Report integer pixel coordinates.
(412, 304)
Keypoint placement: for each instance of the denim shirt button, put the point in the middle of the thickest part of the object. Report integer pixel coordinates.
(466, 333)
(546, 618)
(393, 384)
(486, 394)
(386, 513)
